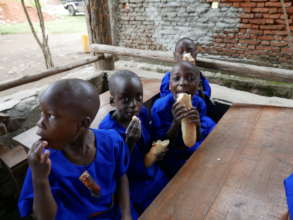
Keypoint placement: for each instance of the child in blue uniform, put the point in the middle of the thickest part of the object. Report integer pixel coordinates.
(288, 184)
(75, 172)
(167, 115)
(127, 98)
(186, 45)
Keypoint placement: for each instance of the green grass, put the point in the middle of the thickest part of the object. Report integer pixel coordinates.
(64, 24)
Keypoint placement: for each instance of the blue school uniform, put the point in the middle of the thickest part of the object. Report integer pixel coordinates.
(161, 121)
(144, 183)
(74, 200)
(288, 184)
(164, 88)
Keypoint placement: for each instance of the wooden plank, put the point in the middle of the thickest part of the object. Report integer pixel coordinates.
(14, 156)
(238, 172)
(240, 69)
(150, 89)
(50, 72)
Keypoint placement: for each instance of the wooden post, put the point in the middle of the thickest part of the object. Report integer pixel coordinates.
(99, 28)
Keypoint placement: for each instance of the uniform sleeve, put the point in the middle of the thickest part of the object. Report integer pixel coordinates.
(199, 103)
(164, 88)
(26, 198)
(159, 126)
(206, 86)
(207, 125)
(122, 155)
(288, 184)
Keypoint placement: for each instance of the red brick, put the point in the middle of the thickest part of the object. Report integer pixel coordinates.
(253, 42)
(275, 32)
(266, 37)
(273, 4)
(261, 21)
(245, 26)
(251, 47)
(277, 4)
(260, 10)
(244, 20)
(286, 50)
(282, 21)
(236, 4)
(279, 43)
(260, 5)
(218, 40)
(289, 10)
(255, 31)
(265, 42)
(273, 10)
(258, 15)
(272, 15)
(248, 5)
(264, 48)
(247, 15)
(244, 36)
(247, 10)
(272, 27)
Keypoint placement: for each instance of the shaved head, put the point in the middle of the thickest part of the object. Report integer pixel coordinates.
(121, 78)
(75, 96)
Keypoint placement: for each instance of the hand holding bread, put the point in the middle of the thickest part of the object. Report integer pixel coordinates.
(158, 147)
(188, 57)
(188, 127)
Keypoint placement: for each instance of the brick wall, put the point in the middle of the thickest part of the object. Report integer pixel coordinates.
(250, 29)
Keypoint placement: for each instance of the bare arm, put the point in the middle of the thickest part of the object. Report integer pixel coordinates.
(124, 197)
(44, 205)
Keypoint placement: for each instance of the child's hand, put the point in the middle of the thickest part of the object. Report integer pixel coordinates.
(133, 132)
(39, 160)
(157, 152)
(179, 112)
(193, 116)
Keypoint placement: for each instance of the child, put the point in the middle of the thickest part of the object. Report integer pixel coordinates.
(186, 45)
(75, 172)
(127, 98)
(167, 115)
(288, 184)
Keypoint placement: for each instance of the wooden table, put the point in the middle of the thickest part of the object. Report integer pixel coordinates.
(238, 172)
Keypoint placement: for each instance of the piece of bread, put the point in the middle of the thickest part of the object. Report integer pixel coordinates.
(189, 135)
(188, 57)
(157, 148)
(134, 117)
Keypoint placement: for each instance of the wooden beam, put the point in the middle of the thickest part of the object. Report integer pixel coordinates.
(99, 28)
(53, 71)
(232, 68)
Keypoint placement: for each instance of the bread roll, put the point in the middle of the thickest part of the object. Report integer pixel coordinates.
(188, 57)
(157, 148)
(188, 129)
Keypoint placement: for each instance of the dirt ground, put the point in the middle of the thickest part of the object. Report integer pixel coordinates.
(20, 55)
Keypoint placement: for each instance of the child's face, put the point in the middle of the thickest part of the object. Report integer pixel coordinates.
(185, 47)
(184, 80)
(56, 125)
(128, 98)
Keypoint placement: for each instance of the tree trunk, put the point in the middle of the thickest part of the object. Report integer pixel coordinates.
(44, 43)
(99, 27)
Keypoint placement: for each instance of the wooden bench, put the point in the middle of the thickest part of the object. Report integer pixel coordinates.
(151, 88)
(238, 172)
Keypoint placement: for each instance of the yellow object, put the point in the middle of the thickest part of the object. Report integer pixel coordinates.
(85, 43)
